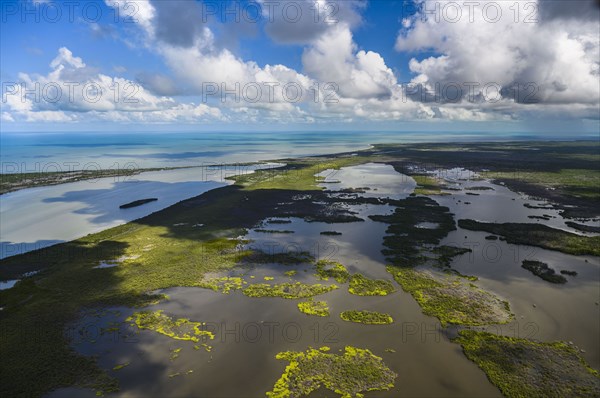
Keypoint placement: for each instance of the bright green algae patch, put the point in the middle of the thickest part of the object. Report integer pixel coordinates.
(367, 317)
(287, 290)
(224, 284)
(179, 329)
(332, 269)
(318, 308)
(350, 374)
(525, 368)
(451, 299)
(363, 286)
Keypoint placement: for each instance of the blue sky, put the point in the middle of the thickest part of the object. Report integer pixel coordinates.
(347, 64)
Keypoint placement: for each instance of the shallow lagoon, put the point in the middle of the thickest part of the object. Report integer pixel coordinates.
(242, 363)
(39, 217)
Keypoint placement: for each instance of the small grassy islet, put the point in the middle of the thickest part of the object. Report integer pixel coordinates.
(360, 285)
(367, 317)
(178, 329)
(356, 371)
(287, 290)
(542, 270)
(318, 308)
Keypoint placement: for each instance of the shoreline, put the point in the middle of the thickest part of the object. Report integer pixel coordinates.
(57, 178)
(45, 179)
(91, 206)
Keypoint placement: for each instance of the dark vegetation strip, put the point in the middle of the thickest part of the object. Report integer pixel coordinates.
(538, 235)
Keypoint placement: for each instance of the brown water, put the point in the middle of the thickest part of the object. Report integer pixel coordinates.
(251, 331)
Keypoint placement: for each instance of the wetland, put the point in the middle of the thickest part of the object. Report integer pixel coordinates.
(409, 297)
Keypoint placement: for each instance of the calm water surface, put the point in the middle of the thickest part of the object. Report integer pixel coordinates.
(251, 331)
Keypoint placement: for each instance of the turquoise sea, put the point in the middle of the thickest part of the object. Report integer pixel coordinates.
(35, 152)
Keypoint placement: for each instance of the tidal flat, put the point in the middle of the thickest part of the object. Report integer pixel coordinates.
(398, 231)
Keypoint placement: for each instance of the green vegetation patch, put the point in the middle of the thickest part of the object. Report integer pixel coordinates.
(179, 329)
(298, 175)
(367, 317)
(363, 286)
(573, 182)
(350, 374)
(541, 270)
(524, 368)
(287, 290)
(538, 235)
(404, 240)
(332, 269)
(451, 299)
(318, 308)
(224, 284)
(428, 185)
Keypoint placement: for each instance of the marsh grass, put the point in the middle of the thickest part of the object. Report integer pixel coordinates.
(332, 269)
(350, 375)
(287, 290)
(367, 317)
(178, 329)
(318, 308)
(360, 285)
(428, 185)
(451, 299)
(525, 368)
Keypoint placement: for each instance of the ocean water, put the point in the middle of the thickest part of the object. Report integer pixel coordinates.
(41, 152)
